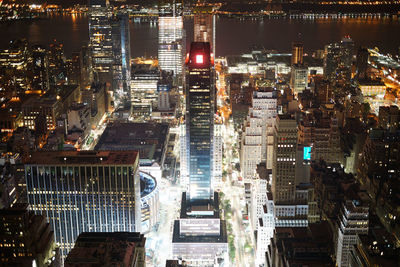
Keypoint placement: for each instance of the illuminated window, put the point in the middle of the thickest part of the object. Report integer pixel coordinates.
(199, 59)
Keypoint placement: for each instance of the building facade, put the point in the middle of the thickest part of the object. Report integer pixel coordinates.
(170, 39)
(100, 40)
(85, 191)
(353, 221)
(200, 109)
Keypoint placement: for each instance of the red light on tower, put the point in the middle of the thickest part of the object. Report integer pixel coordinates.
(199, 59)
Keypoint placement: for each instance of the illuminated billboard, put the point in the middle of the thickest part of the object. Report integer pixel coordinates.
(307, 153)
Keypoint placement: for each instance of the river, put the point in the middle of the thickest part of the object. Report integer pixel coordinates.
(233, 36)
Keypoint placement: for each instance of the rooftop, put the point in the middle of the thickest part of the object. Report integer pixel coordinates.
(222, 238)
(105, 249)
(128, 157)
(147, 138)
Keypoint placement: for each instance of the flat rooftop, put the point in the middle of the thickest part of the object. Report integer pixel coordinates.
(128, 157)
(105, 249)
(147, 138)
(177, 238)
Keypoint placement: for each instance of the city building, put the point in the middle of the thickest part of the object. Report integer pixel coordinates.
(321, 133)
(353, 221)
(108, 249)
(284, 159)
(362, 63)
(199, 119)
(78, 117)
(48, 106)
(204, 25)
(338, 61)
(100, 40)
(378, 248)
(297, 53)
(265, 229)
(144, 90)
(57, 66)
(257, 137)
(164, 86)
(12, 180)
(150, 139)
(372, 88)
(303, 246)
(85, 191)
(171, 38)
(149, 198)
(121, 50)
(299, 78)
(217, 156)
(40, 69)
(389, 117)
(15, 60)
(291, 189)
(27, 239)
(199, 236)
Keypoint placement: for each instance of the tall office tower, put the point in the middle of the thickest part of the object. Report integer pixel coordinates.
(362, 63)
(292, 193)
(353, 221)
(85, 191)
(200, 109)
(204, 25)
(121, 47)
(257, 139)
(297, 53)
(338, 61)
(299, 78)
(57, 68)
(199, 236)
(284, 164)
(39, 69)
(100, 41)
(170, 39)
(15, 61)
(331, 60)
(346, 52)
(26, 239)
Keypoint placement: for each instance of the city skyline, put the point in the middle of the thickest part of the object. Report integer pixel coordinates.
(200, 134)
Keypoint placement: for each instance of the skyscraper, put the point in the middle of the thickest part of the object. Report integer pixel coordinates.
(299, 78)
(297, 53)
(200, 109)
(362, 63)
(353, 221)
(170, 39)
(200, 235)
(121, 46)
(100, 40)
(204, 25)
(284, 168)
(85, 191)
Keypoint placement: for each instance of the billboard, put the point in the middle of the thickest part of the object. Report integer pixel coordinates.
(307, 153)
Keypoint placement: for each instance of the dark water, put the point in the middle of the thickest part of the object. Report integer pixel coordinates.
(233, 36)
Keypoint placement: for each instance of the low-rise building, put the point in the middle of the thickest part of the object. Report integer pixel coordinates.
(108, 249)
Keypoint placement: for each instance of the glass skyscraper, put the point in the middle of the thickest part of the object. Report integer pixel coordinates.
(85, 191)
(100, 40)
(200, 109)
(121, 56)
(170, 39)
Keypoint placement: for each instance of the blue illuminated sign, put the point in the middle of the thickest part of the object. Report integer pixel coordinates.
(307, 153)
